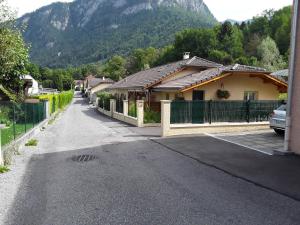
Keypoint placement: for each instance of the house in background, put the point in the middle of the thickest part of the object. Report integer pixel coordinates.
(78, 85)
(97, 85)
(31, 86)
(199, 79)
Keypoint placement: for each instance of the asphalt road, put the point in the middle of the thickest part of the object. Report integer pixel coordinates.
(133, 180)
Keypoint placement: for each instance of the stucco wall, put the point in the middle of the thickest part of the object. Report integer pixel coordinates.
(236, 84)
(99, 88)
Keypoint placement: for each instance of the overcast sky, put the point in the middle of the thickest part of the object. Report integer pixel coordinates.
(222, 9)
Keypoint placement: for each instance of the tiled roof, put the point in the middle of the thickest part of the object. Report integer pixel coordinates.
(282, 73)
(209, 74)
(192, 79)
(244, 68)
(96, 81)
(151, 76)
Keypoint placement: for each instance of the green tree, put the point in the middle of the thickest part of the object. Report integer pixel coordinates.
(115, 68)
(13, 58)
(198, 42)
(269, 55)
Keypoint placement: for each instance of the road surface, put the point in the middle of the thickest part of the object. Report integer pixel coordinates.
(130, 179)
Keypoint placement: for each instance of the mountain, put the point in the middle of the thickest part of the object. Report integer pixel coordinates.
(85, 31)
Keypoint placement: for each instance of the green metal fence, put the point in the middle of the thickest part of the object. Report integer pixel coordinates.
(104, 104)
(119, 106)
(198, 112)
(19, 119)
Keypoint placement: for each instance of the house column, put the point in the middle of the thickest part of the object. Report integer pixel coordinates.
(140, 112)
(1, 154)
(125, 107)
(112, 107)
(292, 141)
(165, 117)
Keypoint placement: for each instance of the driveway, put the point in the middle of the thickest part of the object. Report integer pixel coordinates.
(265, 141)
(131, 178)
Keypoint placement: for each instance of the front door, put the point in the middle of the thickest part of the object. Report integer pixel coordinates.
(198, 107)
(198, 95)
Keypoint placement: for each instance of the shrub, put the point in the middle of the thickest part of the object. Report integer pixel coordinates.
(32, 142)
(58, 101)
(5, 111)
(132, 110)
(104, 99)
(4, 169)
(151, 116)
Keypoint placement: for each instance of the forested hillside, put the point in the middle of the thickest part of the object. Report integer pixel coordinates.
(86, 31)
(263, 41)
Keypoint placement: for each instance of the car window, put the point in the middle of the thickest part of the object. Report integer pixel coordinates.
(282, 108)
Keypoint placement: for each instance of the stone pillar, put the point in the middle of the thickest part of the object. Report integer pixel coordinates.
(97, 102)
(140, 112)
(292, 141)
(47, 105)
(125, 107)
(1, 154)
(165, 117)
(112, 107)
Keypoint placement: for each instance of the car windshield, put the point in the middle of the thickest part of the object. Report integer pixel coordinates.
(282, 108)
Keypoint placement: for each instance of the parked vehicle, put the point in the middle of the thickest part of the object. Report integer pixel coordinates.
(278, 120)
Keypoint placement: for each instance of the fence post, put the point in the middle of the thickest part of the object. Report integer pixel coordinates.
(140, 112)
(248, 111)
(112, 107)
(165, 117)
(25, 116)
(210, 111)
(1, 155)
(14, 120)
(125, 107)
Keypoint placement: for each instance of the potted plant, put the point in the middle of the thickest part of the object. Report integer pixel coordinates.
(223, 94)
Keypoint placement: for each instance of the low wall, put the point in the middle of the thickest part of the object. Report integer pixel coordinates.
(189, 129)
(107, 113)
(127, 119)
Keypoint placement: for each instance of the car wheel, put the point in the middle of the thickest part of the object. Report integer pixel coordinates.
(279, 132)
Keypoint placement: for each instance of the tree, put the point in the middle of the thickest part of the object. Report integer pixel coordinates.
(142, 59)
(269, 55)
(115, 68)
(198, 42)
(13, 51)
(230, 39)
(13, 58)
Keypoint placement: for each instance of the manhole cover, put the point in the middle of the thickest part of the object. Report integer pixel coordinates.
(83, 158)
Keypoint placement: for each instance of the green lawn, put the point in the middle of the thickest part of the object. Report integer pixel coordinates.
(7, 134)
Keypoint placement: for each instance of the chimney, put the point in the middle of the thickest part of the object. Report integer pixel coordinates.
(186, 55)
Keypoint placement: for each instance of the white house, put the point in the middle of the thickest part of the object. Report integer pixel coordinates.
(31, 85)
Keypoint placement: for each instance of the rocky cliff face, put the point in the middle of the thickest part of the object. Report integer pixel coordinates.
(89, 30)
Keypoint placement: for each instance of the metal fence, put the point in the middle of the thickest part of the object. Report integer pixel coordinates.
(198, 112)
(119, 106)
(104, 104)
(19, 119)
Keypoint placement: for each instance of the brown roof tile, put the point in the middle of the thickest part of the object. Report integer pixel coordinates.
(151, 76)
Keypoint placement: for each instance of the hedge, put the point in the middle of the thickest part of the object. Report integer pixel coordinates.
(58, 101)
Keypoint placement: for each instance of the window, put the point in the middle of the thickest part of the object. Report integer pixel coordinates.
(250, 95)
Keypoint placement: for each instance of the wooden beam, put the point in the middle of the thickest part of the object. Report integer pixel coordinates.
(206, 82)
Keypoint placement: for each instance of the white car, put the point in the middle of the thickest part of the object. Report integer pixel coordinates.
(278, 120)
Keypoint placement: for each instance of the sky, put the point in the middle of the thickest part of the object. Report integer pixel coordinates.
(222, 9)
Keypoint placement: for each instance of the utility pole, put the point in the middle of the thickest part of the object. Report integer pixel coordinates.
(292, 138)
